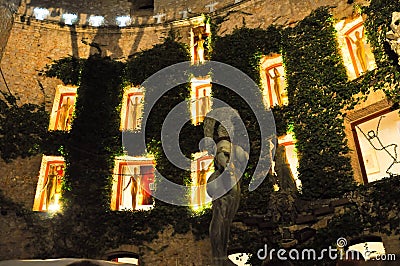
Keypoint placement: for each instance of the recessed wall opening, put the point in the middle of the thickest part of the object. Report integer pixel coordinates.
(124, 256)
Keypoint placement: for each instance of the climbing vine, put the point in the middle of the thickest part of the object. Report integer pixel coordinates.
(318, 91)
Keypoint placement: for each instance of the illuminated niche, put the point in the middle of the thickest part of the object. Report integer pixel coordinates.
(132, 108)
(377, 139)
(201, 169)
(61, 116)
(199, 38)
(357, 54)
(133, 182)
(286, 159)
(200, 98)
(48, 190)
(273, 80)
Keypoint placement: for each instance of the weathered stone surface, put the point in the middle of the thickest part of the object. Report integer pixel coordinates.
(303, 219)
(323, 210)
(305, 234)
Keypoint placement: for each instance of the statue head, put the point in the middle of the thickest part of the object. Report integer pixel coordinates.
(395, 24)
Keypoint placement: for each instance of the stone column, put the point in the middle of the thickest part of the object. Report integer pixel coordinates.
(7, 10)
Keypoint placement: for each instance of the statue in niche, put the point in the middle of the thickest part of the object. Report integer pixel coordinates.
(205, 105)
(225, 181)
(393, 36)
(200, 49)
(65, 115)
(133, 183)
(282, 170)
(53, 184)
(360, 50)
(277, 84)
(202, 180)
(135, 107)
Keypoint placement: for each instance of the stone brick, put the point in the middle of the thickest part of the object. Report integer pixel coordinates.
(303, 219)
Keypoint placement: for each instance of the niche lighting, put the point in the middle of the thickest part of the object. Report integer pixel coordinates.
(123, 21)
(40, 13)
(69, 19)
(96, 21)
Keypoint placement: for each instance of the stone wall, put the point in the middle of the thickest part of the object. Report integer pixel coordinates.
(34, 44)
(7, 9)
(143, 12)
(31, 47)
(171, 249)
(18, 180)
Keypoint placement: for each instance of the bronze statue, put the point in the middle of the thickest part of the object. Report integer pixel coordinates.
(224, 189)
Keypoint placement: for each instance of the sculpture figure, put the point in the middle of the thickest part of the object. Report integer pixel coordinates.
(360, 50)
(224, 189)
(135, 107)
(134, 186)
(204, 104)
(201, 181)
(63, 114)
(277, 84)
(393, 36)
(200, 49)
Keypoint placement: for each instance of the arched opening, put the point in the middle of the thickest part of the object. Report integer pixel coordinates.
(124, 256)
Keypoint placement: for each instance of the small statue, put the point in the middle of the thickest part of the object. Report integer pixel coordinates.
(393, 36)
(224, 188)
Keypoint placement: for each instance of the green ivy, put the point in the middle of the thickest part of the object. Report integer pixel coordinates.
(22, 128)
(387, 76)
(318, 91)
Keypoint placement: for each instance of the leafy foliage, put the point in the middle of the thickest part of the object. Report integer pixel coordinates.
(22, 128)
(317, 93)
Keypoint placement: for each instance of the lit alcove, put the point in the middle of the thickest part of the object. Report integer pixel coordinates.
(133, 183)
(62, 113)
(200, 98)
(289, 160)
(199, 38)
(377, 139)
(124, 257)
(240, 259)
(132, 108)
(356, 51)
(201, 169)
(48, 190)
(273, 80)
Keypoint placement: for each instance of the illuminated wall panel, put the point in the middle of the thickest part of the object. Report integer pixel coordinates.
(357, 54)
(63, 108)
(132, 183)
(48, 190)
(199, 35)
(200, 98)
(201, 170)
(132, 108)
(273, 80)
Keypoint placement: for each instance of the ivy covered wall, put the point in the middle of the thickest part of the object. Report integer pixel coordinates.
(318, 92)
